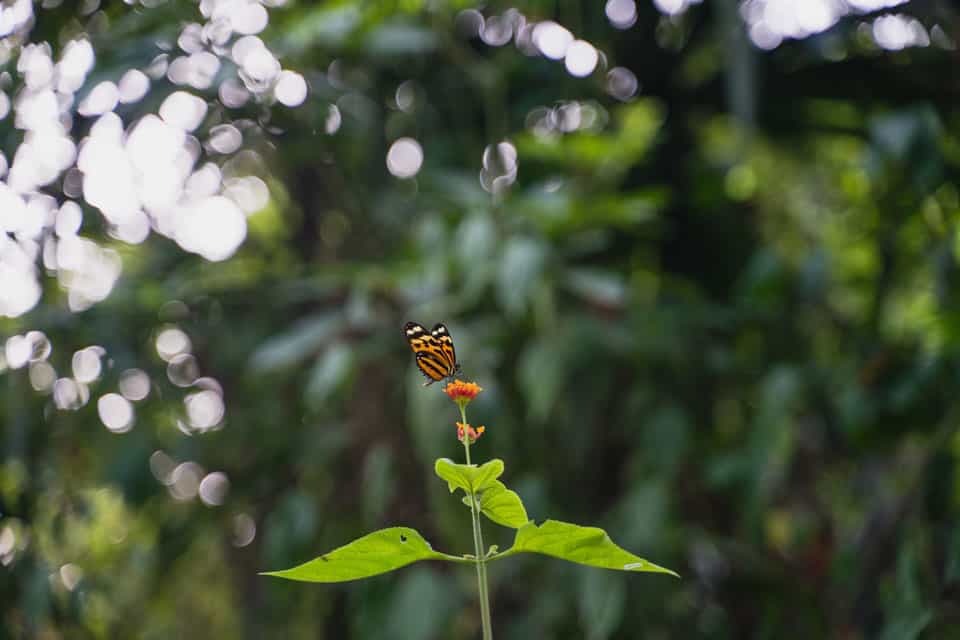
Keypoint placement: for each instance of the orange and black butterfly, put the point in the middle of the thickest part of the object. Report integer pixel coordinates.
(436, 357)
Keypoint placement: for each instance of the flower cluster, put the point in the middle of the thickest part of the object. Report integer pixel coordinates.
(462, 392)
(466, 431)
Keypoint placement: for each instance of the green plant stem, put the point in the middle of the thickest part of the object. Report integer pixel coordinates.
(482, 565)
(480, 555)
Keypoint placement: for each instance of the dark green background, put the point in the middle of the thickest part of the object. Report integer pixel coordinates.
(722, 324)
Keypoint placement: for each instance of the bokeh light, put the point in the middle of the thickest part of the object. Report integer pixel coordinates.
(552, 39)
(162, 466)
(171, 342)
(87, 365)
(70, 575)
(8, 541)
(622, 84)
(895, 32)
(581, 58)
(224, 138)
(214, 227)
(769, 22)
(21, 290)
(469, 23)
(134, 384)
(547, 38)
(182, 370)
(258, 66)
(250, 193)
(133, 86)
(15, 16)
(622, 14)
(69, 394)
(115, 412)
(40, 345)
(87, 271)
(205, 410)
(134, 173)
(291, 89)
(214, 488)
(102, 98)
(674, 7)
(244, 530)
(185, 481)
(499, 167)
(405, 158)
(406, 96)
(42, 376)
(497, 31)
(332, 124)
(69, 219)
(233, 93)
(17, 350)
(182, 110)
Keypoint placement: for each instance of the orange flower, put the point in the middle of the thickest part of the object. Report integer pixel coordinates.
(470, 432)
(462, 392)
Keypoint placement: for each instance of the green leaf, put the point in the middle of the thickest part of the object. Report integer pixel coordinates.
(603, 287)
(498, 503)
(328, 374)
(400, 39)
(520, 268)
(584, 545)
(542, 368)
(327, 26)
(469, 477)
(405, 617)
(373, 554)
(503, 506)
(602, 598)
(907, 625)
(297, 344)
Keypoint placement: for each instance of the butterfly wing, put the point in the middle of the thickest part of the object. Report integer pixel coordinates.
(446, 347)
(414, 333)
(432, 367)
(431, 359)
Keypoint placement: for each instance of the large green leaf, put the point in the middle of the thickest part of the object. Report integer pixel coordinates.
(501, 505)
(373, 554)
(584, 545)
(469, 477)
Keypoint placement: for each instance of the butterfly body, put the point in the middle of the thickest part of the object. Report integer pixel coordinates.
(435, 355)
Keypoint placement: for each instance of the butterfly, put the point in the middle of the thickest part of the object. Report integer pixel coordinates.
(434, 351)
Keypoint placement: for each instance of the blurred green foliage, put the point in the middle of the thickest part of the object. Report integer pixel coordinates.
(728, 337)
